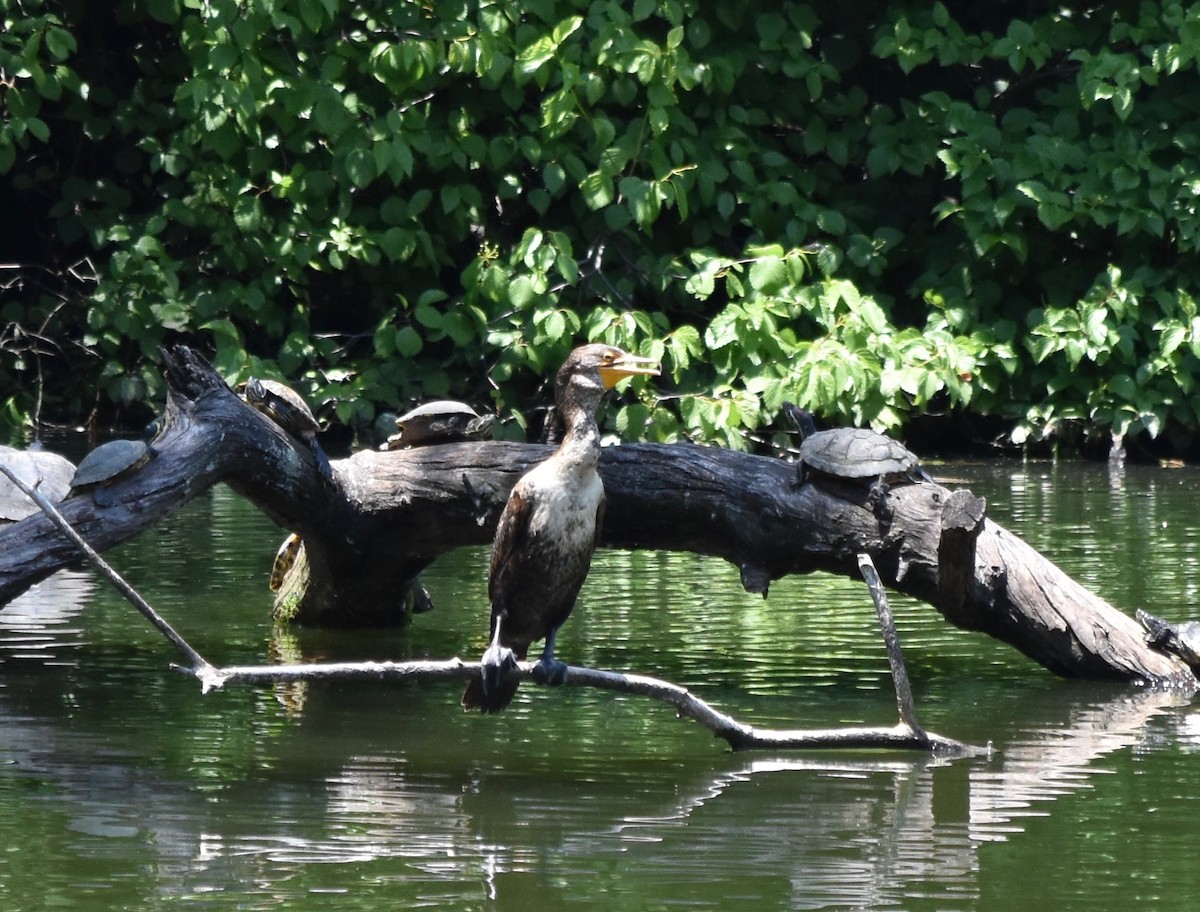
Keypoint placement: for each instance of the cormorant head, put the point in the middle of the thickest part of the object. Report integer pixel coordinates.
(596, 368)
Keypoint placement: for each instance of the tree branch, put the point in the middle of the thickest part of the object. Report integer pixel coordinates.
(131, 594)
(739, 735)
(387, 515)
(891, 641)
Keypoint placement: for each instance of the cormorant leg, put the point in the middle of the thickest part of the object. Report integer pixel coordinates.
(497, 663)
(548, 669)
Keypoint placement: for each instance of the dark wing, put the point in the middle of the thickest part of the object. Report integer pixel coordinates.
(506, 547)
(510, 533)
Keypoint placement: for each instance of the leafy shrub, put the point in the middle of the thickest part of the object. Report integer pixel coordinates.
(877, 210)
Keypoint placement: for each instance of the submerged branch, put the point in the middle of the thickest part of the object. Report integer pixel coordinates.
(737, 734)
(891, 640)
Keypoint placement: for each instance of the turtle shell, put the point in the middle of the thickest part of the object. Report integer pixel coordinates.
(283, 405)
(287, 408)
(285, 559)
(111, 460)
(1180, 640)
(41, 469)
(858, 453)
(442, 421)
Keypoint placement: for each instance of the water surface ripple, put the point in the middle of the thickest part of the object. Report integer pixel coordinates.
(121, 785)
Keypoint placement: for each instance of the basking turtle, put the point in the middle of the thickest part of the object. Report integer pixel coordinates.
(417, 597)
(285, 558)
(1181, 640)
(41, 469)
(108, 462)
(443, 421)
(287, 408)
(852, 454)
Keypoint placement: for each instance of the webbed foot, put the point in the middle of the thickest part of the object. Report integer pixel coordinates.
(497, 663)
(550, 671)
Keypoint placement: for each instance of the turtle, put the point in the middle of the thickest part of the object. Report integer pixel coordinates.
(285, 559)
(48, 472)
(416, 598)
(287, 408)
(852, 454)
(442, 421)
(1181, 640)
(108, 462)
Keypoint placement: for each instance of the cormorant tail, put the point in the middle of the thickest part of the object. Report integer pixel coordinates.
(489, 700)
(497, 683)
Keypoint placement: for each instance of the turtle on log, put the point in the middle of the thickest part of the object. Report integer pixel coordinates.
(287, 408)
(291, 556)
(1181, 640)
(853, 454)
(109, 462)
(41, 469)
(285, 559)
(442, 421)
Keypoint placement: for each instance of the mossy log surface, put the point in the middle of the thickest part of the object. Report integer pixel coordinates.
(387, 515)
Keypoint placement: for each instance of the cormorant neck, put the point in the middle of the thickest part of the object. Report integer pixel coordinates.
(581, 437)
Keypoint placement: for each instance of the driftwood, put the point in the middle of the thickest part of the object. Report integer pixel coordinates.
(907, 734)
(387, 515)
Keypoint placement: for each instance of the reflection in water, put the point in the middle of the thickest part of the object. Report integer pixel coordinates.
(120, 782)
(42, 623)
(1058, 761)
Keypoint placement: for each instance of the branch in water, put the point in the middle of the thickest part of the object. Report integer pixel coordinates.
(739, 735)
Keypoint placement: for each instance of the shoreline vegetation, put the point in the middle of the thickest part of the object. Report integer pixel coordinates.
(954, 225)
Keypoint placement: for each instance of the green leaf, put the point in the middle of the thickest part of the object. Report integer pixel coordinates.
(554, 326)
(543, 49)
(521, 292)
(1171, 338)
(769, 275)
(60, 43)
(597, 189)
(428, 316)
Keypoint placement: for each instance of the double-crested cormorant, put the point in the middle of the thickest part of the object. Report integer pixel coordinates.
(548, 530)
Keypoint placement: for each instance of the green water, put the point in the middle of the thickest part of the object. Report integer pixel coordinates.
(122, 787)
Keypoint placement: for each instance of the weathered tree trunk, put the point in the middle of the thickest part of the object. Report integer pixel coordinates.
(388, 514)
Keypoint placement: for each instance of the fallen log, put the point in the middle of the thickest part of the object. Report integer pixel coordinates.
(907, 734)
(386, 515)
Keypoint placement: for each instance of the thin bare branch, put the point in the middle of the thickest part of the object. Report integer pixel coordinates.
(739, 735)
(109, 573)
(891, 640)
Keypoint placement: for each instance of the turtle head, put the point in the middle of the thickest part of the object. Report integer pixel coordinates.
(801, 418)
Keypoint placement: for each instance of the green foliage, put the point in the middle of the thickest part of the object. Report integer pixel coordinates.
(879, 210)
